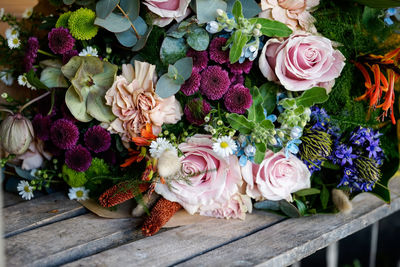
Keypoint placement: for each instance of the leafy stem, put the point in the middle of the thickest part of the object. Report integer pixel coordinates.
(33, 101)
(127, 17)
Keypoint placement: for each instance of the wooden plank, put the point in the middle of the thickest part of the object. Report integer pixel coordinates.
(174, 245)
(38, 212)
(67, 240)
(287, 242)
(10, 199)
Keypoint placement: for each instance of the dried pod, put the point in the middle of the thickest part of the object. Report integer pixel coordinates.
(16, 133)
(168, 164)
(341, 201)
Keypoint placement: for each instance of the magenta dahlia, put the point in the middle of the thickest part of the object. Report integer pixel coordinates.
(236, 79)
(97, 139)
(78, 158)
(238, 99)
(200, 59)
(68, 55)
(214, 82)
(216, 53)
(237, 68)
(64, 134)
(192, 84)
(196, 110)
(41, 125)
(60, 40)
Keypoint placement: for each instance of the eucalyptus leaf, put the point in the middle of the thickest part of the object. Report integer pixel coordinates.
(251, 7)
(142, 40)
(172, 71)
(113, 23)
(172, 50)
(105, 7)
(289, 209)
(240, 123)
(239, 41)
(23, 173)
(315, 95)
(307, 192)
(198, 39)
(207, 9)
(53, 77)
(267, 205)
(166, 87)
(256, 111)
(269, 92)
(184, 67)
(272, 27)
(131, 8)
(237, 10)
(127, 38)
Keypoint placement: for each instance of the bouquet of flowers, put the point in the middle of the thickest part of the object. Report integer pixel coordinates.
(213, 106)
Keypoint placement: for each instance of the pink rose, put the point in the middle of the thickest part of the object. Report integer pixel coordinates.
(235, 208)
(294, 13)
(301, 62)
(276, 177)
(216, 180)
(168, 10)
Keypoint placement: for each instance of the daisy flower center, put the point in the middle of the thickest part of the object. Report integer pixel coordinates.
(26, 189)
(79, 193)
(224, 145)
(15, 41)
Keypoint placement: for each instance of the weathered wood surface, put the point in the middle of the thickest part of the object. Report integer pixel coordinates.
(38, 212)
(68, 240)
(175, 245)
(10, 199)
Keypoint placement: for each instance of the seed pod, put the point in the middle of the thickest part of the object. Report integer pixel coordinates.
(16, 134)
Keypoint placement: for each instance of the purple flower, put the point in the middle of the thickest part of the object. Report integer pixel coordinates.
(216, 53)
(78, 158)
(97, 139)
(373, 148)
(238, 99)
(214, 82)
(200, 59)
(313, 166)
(238, 68)
(68, 55)
(31, 53)
(41, 124)
(236, 79)
(196, 110)
(60, 40)
(192, 85)
(344, 154)
(64, 134)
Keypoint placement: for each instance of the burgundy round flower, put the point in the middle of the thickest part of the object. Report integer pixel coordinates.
(200, 59)
(108, 156)
(238, 68)
(216, 53)
(78, 158)
(41, 124)
(238, 99)
(97, 139)
(64, 134)
(191, 85)
(68, 55)
(236, 79)
(31, 53)
(214, 82)
(196, 110)
(60, 40)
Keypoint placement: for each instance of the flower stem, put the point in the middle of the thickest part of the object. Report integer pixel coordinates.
(33, 101)
(45, 53)
(6, 110)
(126, 16)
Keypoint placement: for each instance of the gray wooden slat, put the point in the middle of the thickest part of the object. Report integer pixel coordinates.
(38, 212)
(10, 199)
(68, 240)
(174, 245)
(287, 242)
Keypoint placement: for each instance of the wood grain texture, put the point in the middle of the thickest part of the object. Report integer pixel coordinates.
(68, 240)
(10, 199)
(38, 212)
(175, 245)
(291, 240)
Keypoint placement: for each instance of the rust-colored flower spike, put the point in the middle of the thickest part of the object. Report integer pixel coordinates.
(159, 216)
(120, 193)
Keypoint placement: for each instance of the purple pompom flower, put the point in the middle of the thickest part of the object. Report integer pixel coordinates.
(196, 110)
(216, 53)
(236, 79)
(214, 82)
(238, 99)
(238, 68)
(64, 134)
(78, 158)
(41, 124)
(31, 53)
(60, 40)
(68, 55)
(97, 139)
(192, 84)
(200, 59)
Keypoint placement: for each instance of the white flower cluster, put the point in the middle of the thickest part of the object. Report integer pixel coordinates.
(12, 36)
(23, 81)
(159, 146)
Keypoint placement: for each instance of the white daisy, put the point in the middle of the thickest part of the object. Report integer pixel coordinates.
(30, 86)
(27, 13)
(1, 12)
(13, 42)
(6, 78)
(25, 190)
(22, 80)
(78, 193)
(12, 32)
(224, 146)
(160, 145)
(89, 51)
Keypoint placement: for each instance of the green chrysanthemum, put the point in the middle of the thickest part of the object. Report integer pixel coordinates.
(63, 20)
(81, 24)
(73, 178)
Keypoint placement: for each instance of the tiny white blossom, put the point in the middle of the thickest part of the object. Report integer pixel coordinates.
(1, 12)
(30, 86)
(25, 190)
(160, 145)
(89, 51)
(12, 32)
(6, 78)
(4, 95)
(22, 80)
(208, 128)
(27, 13)
(13, 42)
(224, 146)
(78, 193)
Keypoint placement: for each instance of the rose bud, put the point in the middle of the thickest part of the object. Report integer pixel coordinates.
(16, 133)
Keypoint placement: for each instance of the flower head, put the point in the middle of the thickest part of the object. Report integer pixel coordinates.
(12, 32)
(64, 134)
(224, 146)
(78, 193)
(31, 53)
(41, 126)
(78, 158)
(68, 55)
(200, 59)
(238, 99)
(97, 139)
(344, 154)
(60, 40)
(6, 77)
(89, 51)
(192, 85)
(81, 24)
(13, 42)
(22, 80)
(196, 110)
(27, 13)
(240, 68)
(63, 20)
(159, 146)
(25, 190)
(216, 53)
(214, 82)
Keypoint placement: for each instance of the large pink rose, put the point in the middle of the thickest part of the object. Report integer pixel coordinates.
(235, 208)
(294, 13)
(276, 177)
(216, 180)
(168, 10)
(301, 62)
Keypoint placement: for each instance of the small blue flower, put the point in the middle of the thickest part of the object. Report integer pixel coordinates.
(245, 150)
(291, 147)
(373, 149)
(344, 154)
(271, 117)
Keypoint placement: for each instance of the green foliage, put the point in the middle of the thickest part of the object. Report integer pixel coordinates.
(380, 3)
(73, 178)
(256, 111)
(272, 27)
(315, 95)
(252, 8)
(172, 50)
(207, 9)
